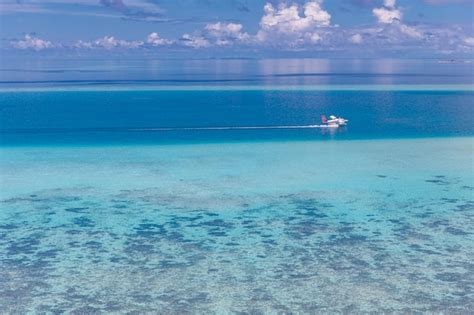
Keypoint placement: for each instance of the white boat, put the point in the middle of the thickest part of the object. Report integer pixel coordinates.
(333, 121)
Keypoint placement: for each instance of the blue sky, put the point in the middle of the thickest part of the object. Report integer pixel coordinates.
(243, 28)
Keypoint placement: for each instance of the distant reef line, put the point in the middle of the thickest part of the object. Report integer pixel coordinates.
(361, 87)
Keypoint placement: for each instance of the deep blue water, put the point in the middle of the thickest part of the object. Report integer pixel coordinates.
(124, 116)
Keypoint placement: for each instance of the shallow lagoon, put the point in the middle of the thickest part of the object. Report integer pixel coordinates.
(302, 226)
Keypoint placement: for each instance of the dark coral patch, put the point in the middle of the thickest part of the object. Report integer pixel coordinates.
(52, 253)
(175, 236)
(437, 181)
(449, 276)
(345, 229)
(217, 233)
(93, 244)
(140, 248)
(218, 223)
(469, 206)
(76, 210)
(437, 223)
(8, 227)
(449, 200)
(456, 231)
(349, 239)
(83, 222)
(27, 245)
(150, 230)
(231, 244)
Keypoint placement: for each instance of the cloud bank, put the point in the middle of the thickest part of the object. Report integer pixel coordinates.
(287, 26)
(31, 42)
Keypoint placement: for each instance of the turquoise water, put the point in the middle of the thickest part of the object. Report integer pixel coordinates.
(254, 227)
(115, 198)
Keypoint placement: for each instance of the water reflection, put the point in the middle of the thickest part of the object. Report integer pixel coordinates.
(234, 72)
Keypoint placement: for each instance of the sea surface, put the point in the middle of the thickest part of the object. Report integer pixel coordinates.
(199, 187)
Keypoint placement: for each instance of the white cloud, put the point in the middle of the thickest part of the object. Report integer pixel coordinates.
(356, 39)
(314, 38)
(232, 30)
(287, 19)
(410, 31)
(155, 40)
(195, 41)
(390, 15)
(218, 29)
(285, 24)
(387, 14)
(469, 41)
(83, 44)
(226, 33)
(31, 42)
(313, 10)
(109, 42)
(390, 3)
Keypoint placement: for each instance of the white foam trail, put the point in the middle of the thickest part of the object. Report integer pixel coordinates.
(233, 128)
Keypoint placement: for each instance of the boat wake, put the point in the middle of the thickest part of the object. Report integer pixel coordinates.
(231, 128)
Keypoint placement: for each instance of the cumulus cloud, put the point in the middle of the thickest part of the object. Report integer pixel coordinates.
(410, 31)
(225, 29)
(314, 12)
(391, 16)
(83, 44)
(194, 41)
(227, 33)
(109, 42)
(356, 39)
(314, 38)
(389, 3)
(287, 19)
(293, 24)
(31, 42)
(388, 13)
(154, 39)
(469, 41)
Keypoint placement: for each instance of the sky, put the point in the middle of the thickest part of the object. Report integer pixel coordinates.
(238, 28)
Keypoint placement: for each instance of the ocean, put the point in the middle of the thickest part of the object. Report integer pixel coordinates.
(197, 187)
